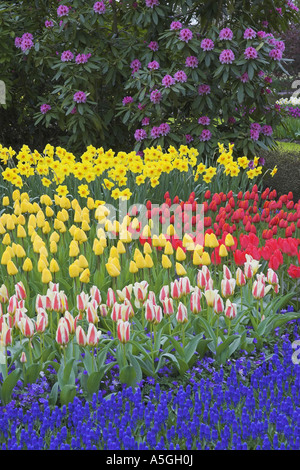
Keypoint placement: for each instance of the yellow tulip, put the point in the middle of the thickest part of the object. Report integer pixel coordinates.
(120, 247)
(196, 258)
(11, 268)
(53, 247)
(148, 261)
(49, 212)
(6, 257)
(112, 270)
(97, 247)
(73, 249)
(180, 270)
(147, 249)
(5, 201)
(229, 241)
(27, 265)
(133, 267)
(205, 258)
(180, 254)
(168, 248)
(85, 276)
(54, 268)
(74, 270)
(6, 239)
(21, 232)
(83, 262)
(223, 251)
(46, 276)
(140, 262)
(20, 252)
(166, 263)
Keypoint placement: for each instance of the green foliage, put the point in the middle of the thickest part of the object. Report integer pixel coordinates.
(114, 39)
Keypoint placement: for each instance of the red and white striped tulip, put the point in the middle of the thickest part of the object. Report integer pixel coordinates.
(103, 310)
(130, 307)
(168, 307)
(195, 301)
(13, 304)
(6, 335)
(218, 304)
(91, 313)
(123, 330)
(62, 332)
(182, 313)
(4, 295)
(158, 314)
(93, 335)
(111, 298)
(175, 291)
(41, 323)
(80, 336)
(95, 294)
(116, 312)
(70, 322)
(227, 287)
(125, 293)
(164, 293)
(185, 285)
(82, 301)
(149, 311)
(230, 309)
(20, 291)
(226, 272)
(240, 278)
(26, 326)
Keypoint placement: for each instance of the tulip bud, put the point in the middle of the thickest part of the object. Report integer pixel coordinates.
(182, 314)
(195, 301)
(95, 294)
(230, 309)
(240, 277)
(168, 307)
(210, 296)
(227, 287)
(26, 327)
(92, 336)
(81, 336)
(111, 297)
(218, 304)
(103, 310)
(123, 330)
(4, 295)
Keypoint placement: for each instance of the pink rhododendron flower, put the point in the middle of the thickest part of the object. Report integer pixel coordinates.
(127, 100)
(99, 7)
(79, 97)
(207, 44)
(204, 121)
(62, 10)
(185, 35)
(164, 128)
(167, 81)
(49, 23)
(154, 65)
(155, 132)
(244, 78)
(45, 108)
(226, 56)
(67, 56)
(175, 25)
(249, 33)
(275, 54)
(135, 65)
(251, 53)
(203, 89)
(205, 135)
(267, 130)
(180, 76)
(140, 134)
(155, 96)
(151, 3)
(226, 34)
(191, 61)
(153, 45)
(145, 121)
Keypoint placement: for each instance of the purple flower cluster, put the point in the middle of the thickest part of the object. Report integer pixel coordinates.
(99, 7)
(255, 406)
(49, 24)
(62, 10)
(79, 97)
(185, 35)
(154, 65)
(204, 89)
(250, 53)
(67, 56)
(168, 81)
(155, 96)
(151, 3)
(205, 135)
(226, 34)
(226, 56)
(127, 100)
(45, 108)
(293, 112)
(180, 76)
(153, 45)
(191, 62)
(140, 134)
(256, 129)
(249, 33)
(135, 66)
(175, 25)
(25, 42)
(82, 58)
(207, 44)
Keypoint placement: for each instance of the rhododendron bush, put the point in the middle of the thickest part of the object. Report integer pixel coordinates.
(143, 72)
